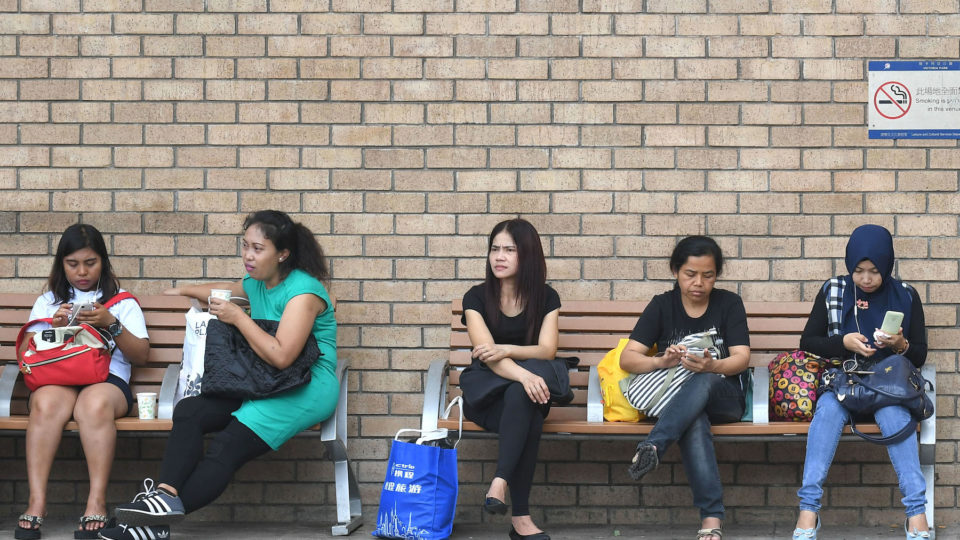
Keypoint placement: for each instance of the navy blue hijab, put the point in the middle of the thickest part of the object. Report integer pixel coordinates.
(872, 243)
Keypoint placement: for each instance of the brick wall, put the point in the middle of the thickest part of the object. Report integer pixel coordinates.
(401, 131)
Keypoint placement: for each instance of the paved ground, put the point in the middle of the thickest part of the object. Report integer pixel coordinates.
(245, 531)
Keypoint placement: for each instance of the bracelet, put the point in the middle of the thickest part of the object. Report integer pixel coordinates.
(906, 345)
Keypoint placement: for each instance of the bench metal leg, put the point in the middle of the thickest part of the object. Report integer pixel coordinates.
(334, 437)
(928, 474)
(348, 500)
(8, 380)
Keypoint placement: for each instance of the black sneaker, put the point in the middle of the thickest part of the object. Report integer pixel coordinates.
(126, 532)
(151, 507)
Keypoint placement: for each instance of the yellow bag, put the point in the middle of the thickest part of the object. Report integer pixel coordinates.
(616, 408)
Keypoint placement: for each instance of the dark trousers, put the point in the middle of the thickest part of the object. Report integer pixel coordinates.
(200, 477)
(707, 398)
(519, 422)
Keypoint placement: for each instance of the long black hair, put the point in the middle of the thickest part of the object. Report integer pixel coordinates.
(75, 238)
(305, 253)
(696, 246)
(531, 276)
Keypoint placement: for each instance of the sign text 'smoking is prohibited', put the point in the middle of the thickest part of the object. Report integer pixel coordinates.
(914, 100)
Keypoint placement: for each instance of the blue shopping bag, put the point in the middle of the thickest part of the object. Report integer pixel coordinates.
(419, 495)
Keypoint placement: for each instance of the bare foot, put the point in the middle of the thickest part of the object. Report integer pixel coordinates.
(710, 523)
(524, 525)
(95, 508)
(807, 520)
(498, 489)
(918, 523)
(33, 509)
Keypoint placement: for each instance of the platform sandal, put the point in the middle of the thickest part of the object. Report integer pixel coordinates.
(83, 533)
(31, 533)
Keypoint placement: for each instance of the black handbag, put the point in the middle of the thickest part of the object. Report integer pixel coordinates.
(232, 369)
(481, 386)
(891, 381)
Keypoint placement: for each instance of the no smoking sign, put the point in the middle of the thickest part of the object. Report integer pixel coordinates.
(892, 100)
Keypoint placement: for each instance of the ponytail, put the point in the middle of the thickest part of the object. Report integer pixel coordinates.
(305, 253)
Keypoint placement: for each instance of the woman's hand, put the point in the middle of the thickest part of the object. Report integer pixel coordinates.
(491, 352)
(857, 343)
(697, 364)
(535, 387)
(897, 342)
(98, 317)
(62, 316)
(671, 357)
(226, 311)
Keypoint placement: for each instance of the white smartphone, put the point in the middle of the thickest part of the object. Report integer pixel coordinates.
(77, 308)
(891, 323)
(695, 351)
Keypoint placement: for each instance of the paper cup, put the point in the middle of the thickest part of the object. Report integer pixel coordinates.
(147, 405)
(223, 294)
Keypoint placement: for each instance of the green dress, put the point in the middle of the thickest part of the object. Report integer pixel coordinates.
(278, 418)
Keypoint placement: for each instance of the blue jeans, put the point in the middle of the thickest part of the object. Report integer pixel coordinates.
(825, 429)
(707, 398)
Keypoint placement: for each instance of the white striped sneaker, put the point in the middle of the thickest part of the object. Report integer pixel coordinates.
(151, 507)
(126, 532)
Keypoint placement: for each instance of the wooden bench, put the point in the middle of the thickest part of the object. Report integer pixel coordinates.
(165, 324)
(589, 329)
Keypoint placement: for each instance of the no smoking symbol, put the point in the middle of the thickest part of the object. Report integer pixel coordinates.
(892, 100)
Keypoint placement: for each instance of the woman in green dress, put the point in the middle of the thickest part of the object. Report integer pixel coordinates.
(285, 272)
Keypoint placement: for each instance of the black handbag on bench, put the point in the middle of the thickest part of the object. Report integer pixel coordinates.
(232, 369)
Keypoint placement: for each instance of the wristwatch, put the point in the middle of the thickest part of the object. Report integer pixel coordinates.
(115, 328)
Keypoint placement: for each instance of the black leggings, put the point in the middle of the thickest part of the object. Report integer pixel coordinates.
(519, 422)
(199, 477)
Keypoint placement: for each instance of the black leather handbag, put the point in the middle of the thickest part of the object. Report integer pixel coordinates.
(232, 369)
(481, 386)
(891, 381)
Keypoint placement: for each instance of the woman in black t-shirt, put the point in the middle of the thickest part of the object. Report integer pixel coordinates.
(513, 315)
(714, 394)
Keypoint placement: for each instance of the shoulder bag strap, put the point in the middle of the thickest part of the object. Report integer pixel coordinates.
(901, 435)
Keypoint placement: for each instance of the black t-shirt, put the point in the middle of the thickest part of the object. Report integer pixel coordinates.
(664, 322)
(509, 330)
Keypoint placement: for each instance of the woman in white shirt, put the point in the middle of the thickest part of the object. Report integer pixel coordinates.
(81, 273)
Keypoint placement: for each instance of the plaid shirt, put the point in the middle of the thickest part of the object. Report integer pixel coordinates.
(833, 292)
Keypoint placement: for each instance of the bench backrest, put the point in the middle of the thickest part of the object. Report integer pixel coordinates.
(165, 325)
(588, 329)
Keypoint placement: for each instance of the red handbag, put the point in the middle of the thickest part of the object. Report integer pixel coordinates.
(68, 355)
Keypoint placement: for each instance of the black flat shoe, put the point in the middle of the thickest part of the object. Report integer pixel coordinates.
(644, 461)
(493, 505)
(514, 535)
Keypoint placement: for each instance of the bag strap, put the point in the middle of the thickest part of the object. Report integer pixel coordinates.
(671, 373)
(440, 433)
(901, 435)
(108, 304)
(117, 298)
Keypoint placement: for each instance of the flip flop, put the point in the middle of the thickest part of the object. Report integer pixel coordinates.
(644, 461)
(31, 533)
(83, 533)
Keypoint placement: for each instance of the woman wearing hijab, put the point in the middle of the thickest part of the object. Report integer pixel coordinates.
(847, 312)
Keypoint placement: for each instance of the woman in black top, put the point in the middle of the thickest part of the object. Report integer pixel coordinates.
(714, 394)
(513, 315)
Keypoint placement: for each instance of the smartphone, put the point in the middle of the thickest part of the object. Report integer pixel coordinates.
(891, 323)
(695, 351)
(76, 309)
